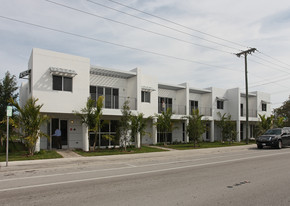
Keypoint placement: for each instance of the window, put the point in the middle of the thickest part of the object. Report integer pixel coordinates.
(164, 104)
(111, 96)
(220, 104)
(242, 110)
(60, 83)
(145, 96)
(193, 105)
(264, 107)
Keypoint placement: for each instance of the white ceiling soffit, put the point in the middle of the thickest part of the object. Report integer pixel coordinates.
(147, 89)
(62, 72)
(170, 86)
(199, 91)
(112, 73)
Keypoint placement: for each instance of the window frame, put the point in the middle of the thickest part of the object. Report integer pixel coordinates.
(220, 104)
(57, 79)
(264, 107)
(145, 96)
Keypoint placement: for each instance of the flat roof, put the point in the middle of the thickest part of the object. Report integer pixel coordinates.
(111, 72)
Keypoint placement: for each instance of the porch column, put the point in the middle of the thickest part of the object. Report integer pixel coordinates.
(212, 131)
(238, 128)
(154, 130)
(186, 135)
(85, 138)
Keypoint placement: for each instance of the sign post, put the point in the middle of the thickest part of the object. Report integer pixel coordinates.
(9, 114)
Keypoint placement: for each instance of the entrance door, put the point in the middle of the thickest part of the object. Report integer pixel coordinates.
(63, 129)
(62, 125)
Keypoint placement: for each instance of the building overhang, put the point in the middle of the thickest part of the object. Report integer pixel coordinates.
(111, 72)
(62, 72)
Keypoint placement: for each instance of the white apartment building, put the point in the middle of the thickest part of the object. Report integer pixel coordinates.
(64, 82)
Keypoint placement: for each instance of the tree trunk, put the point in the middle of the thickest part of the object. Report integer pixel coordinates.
(95, 141)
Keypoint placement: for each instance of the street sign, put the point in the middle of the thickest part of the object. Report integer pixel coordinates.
(9, 111)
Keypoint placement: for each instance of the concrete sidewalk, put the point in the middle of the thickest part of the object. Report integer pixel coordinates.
(114, 159)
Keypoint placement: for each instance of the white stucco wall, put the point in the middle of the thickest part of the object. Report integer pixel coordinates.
(149, 109)
(59, 101)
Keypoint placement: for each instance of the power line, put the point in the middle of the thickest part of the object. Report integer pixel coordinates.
(136, 27)
(272, 63)
(178, 24)
(162, 25)
(268, 66)
(274, 58)
(116, 44)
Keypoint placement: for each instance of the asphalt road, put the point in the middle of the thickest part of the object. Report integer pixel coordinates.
(224, 176)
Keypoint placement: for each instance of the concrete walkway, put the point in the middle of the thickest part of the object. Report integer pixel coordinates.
(164, 148)
(68, 153)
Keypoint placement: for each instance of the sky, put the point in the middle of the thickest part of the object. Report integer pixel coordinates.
(175, 41)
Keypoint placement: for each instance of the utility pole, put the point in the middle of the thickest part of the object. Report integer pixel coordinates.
(245, 53)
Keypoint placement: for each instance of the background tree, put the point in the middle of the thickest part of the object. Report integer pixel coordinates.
(31, 120)
(125, 127)
(164, 123)
(279, 122)
(195, 127)
(91, 116)
(7, 91)
(138, 126)
(265, 124)
(284, 112)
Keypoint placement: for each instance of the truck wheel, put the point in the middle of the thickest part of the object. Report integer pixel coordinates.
(259, 146)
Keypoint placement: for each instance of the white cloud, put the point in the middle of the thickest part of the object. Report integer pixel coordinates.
(260, 24)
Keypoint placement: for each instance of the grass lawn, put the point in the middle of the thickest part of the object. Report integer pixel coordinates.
(17, 152)
(117, 151)
(206, 145)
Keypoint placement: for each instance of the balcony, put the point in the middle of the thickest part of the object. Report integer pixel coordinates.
(176, 109)
(205, 111)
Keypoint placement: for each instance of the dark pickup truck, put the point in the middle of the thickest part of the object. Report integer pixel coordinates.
(278, 138)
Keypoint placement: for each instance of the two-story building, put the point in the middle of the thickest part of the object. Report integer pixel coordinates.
(63, 83)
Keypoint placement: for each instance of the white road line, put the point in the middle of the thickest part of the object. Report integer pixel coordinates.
(117, 168)
(137, 173)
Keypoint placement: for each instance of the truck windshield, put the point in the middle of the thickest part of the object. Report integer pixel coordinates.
(274, 131)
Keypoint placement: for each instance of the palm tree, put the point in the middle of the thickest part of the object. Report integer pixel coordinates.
(138, 125)
(164, 123)
(196, 127)
(31, 120)
(91, 116)
(265, 124)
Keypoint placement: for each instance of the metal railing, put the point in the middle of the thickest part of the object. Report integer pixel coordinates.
(117, 102)
(205, 111)
(252, 113)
